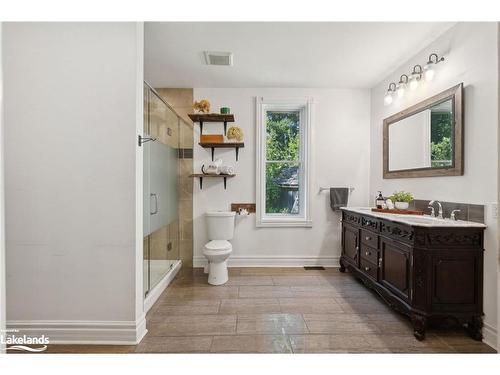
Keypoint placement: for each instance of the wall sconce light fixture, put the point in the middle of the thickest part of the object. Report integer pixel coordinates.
(388, 95)
(401, 87)
(429, 68)
(415, 77)
(428, 72)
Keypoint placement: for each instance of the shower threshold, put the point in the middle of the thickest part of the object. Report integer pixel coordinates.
(158, 289)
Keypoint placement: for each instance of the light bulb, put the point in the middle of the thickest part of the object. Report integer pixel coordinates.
(415, 77)
(388, 98)
(401, 90)
(413, 83)
(429, 72)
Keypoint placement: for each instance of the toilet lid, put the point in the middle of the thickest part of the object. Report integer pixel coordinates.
(218, 245)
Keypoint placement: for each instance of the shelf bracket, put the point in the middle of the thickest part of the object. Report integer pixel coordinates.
(225, 127)
(213, 151)
(201, 182)
(201, 127)
(237, 152)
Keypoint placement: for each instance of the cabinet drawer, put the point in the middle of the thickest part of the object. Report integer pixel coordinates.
(369, 254)
(369, 238)
(369, 268)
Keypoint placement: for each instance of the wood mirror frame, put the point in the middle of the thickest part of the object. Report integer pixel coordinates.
(457, 169)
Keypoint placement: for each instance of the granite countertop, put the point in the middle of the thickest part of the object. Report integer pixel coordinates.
(415, 220)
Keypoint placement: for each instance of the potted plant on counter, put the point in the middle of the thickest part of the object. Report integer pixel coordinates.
(402, 199)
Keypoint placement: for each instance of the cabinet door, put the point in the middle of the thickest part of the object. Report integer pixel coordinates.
(395, 271)
(350, 242)
(455, 278)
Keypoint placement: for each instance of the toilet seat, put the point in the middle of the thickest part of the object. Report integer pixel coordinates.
(218, 246)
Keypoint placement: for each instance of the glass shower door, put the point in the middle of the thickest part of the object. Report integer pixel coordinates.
(161, 216)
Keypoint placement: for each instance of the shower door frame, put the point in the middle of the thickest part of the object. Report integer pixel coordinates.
(152, 292)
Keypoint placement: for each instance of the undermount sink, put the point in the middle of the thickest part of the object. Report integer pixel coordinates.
(429, 220)
(426, 220)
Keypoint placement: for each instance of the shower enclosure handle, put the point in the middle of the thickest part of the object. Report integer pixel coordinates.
(156, 204)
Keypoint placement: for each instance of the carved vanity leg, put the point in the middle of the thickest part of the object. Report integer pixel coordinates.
(342, 267)
(419, 326)
(474, 327)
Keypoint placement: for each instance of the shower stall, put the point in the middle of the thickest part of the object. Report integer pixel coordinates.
(160, 143)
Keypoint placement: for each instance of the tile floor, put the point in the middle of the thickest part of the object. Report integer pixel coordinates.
(280, 310)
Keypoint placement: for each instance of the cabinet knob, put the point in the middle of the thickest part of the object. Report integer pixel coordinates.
(357, 247)
(367, 268)
(380, 262)
(367, 253)
(368, 238)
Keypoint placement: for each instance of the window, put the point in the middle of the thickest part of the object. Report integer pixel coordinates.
(283, 157)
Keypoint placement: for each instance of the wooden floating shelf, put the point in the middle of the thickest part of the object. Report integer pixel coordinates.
(211, 117)
(213, 146)
(201, 176)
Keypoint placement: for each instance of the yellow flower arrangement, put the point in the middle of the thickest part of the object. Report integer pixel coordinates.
(203, 106)
(235, 132)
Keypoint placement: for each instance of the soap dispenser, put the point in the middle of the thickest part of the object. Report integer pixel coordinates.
(379, 201)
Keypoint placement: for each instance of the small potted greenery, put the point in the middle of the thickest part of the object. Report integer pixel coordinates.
(402, 199)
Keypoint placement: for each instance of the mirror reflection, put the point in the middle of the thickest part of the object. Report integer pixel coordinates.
(424, 139)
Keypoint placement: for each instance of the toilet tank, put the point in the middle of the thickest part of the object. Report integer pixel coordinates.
(220, 225)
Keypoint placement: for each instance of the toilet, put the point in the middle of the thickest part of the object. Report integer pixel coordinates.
(220, 225)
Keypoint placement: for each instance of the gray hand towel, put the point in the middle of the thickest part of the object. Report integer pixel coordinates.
(338, 197)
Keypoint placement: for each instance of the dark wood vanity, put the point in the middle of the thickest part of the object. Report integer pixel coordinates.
(430, 273)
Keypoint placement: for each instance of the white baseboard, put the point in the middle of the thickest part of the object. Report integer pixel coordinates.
(84, 332)
(273, 261)
(490, 336)
(155, 293)
(95, 332)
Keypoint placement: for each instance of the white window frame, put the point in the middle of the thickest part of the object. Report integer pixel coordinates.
(305, 107)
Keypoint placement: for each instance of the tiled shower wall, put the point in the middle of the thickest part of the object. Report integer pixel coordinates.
(181, 101)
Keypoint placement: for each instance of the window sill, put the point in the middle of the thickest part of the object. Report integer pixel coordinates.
(280, 223)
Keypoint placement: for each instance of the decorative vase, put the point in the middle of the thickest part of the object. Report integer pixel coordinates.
(402, 205)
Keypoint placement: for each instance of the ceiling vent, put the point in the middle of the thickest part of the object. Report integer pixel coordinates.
(219, 58)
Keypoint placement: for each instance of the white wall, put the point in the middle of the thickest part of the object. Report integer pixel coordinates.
(2, 206)
(340, 158)
(71, 112)
(471, 52)
(498, 197)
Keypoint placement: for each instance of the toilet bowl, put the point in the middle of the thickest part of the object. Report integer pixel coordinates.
(220, 225)
(217, 252)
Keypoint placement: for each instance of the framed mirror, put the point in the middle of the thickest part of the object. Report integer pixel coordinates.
(426, 140)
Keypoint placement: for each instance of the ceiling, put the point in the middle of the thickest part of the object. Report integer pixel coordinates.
(292, 54)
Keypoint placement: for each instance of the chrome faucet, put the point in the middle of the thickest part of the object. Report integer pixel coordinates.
(440, 214)
(453, 214)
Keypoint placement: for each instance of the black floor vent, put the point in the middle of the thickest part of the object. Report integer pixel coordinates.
(310, 268)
